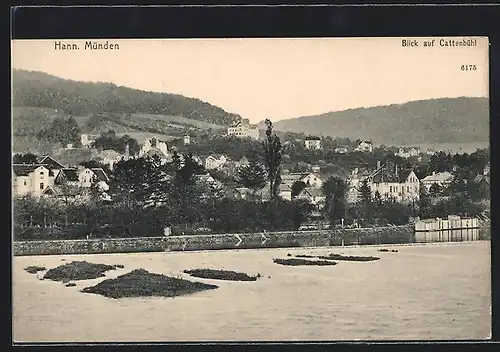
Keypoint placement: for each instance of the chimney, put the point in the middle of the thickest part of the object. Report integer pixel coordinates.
(396, 170)
(378, 164)
(433, 173)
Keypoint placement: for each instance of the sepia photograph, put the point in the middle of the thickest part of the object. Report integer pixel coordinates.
(250, 189)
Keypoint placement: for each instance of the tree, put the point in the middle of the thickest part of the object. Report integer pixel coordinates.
(272, 159)
(300, 212)
(435, 189)
(424, 204)
(252, 176)
(62, 130)
(335, 190)
(366, 200)
(139, 182)
(27, 158)
(297, 187)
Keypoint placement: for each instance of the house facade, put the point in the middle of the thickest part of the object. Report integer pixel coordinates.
(354, 182)
(442, 179)
(365, 146)
(310, 179)
(313, 143)
(285, 192)
(31, 179)
(312, 195)
(341, 150)
(243, 129)
(403, 186)
(35, 179)
(408, 152)
(153, 144)
(215, 161)
(109, 157)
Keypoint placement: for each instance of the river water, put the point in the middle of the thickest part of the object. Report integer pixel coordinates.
(422, 292)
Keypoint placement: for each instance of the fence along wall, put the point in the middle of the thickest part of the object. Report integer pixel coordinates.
(401, 234)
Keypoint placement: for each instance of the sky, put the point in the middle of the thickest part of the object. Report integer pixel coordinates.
(272, 78)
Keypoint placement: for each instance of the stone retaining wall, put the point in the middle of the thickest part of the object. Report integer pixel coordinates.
(401, 234)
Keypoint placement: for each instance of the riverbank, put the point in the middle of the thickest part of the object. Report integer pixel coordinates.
(324, 238)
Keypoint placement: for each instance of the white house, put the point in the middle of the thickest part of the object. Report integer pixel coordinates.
(341, 150)
(187, 140)
(354, 182)
(153, 144)
(313, 142)
(442, 179)
(365, 146)
(313, 195)
(285, 191)
(403, 186)
(109, 157)
(35, 179)
(90, 176)
(243, 129)
(407, 152)
(310, 179)
(214, 161)
(30, 179)
(86, 140)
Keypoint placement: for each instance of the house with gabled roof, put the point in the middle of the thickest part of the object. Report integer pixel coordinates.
(442, 179)
(312, 195)
(285, 191)
(389, 182)
(30, 179)
(215, 161)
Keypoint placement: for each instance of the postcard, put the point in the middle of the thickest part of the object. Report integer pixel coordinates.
(251, 189)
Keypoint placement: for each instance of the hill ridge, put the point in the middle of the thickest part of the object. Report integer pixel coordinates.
(437, 120)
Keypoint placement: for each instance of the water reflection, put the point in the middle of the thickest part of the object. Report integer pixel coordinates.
(459, 235)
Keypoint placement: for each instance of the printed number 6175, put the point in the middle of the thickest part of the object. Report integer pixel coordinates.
(468, 67)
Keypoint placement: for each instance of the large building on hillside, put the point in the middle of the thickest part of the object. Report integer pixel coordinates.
(313, 143)
(243, 129)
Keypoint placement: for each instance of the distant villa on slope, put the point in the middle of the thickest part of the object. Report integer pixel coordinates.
(243, 129)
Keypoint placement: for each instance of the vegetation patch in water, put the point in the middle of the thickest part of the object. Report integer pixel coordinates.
(305, 256)
(334, 256)
(70, 284)
(220, 275)
(386, 250)
(141, 283)
(79, 270)
(33, 269)
(297, 262)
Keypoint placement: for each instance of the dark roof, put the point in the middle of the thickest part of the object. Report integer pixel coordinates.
(387, 173)
(68, 174)
(49, 190)
(49, 161)
(25, 169)
(101, 175)
(313, 138)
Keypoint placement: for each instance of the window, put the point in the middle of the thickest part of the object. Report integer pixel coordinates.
(41, 186)
(41, 174)
(408, 188)
(390, 189)
(25, 182)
